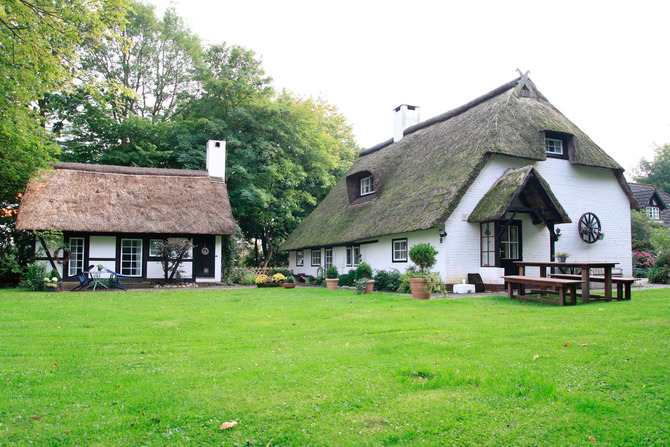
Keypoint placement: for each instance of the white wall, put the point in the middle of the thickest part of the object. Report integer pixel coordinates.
(102, 247)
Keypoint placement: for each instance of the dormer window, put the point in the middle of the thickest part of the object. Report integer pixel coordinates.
(553, 146)
(654, 212)
(367, 186)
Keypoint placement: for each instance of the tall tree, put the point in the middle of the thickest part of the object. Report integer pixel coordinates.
(657, 171)
(39, 42)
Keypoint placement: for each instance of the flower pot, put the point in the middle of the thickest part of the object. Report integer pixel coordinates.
(288, 286)
(418, 286)
(562, 259)
(369, 286)
(332, 283)
(269, 284)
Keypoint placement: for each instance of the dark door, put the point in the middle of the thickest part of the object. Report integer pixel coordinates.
(510, 248)
(204, 256)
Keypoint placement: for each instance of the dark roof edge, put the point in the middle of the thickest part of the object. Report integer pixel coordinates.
(445, 116)
(130, 170)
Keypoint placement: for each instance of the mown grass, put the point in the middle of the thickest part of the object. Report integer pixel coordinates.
(312, 367)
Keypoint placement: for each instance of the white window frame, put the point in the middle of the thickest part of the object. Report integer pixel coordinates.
(510, 243)
(654, 212)
(328, 258)
(299, 258)
(76, 263)
(553, 146)
(315, 258)
(488, 244)
(153, 251)
(133, 266)
(357, 255)
(367, 186)
(399, 250)
(350, 256)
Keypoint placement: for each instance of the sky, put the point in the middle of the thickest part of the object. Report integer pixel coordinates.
(604, 64)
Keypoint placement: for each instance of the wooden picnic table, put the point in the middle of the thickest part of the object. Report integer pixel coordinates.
(586, 274)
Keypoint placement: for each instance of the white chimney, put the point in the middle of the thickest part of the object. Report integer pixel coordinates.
(216, 159)
(404, 116)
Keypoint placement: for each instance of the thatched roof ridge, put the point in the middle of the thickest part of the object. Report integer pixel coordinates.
(420, 179)
(115, 199)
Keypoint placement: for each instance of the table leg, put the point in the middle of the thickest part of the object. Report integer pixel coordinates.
(586, 287)
(522, 270)
(608, 282)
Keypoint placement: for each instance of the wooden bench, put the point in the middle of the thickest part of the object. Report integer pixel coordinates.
(623, 284)
(559, 284)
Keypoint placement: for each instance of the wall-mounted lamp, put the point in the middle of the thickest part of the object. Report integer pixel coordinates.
(443, 234)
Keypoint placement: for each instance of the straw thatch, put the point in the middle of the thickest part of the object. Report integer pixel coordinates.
(115, 199)
(528, 187)
(644, 193)
(420, 179)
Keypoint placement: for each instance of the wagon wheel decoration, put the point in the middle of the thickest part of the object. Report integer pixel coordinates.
(589, 228)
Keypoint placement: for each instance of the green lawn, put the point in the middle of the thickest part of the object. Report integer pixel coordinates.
(312, 367)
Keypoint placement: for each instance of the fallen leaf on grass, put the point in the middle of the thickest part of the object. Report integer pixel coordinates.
(537, 356)
(566, 345)
(37, 417)
(583, 344)
(227, 425)
(592, 439)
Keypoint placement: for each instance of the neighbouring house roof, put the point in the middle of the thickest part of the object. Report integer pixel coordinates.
(644, 193)
(420, 179)
(523, 184)
(116, 199)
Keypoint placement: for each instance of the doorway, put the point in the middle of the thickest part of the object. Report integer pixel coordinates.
(204, 256)
(511, 248)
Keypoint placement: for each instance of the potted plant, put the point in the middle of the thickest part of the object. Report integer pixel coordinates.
(290, 283)
(278, 278)
(561, 256)
(262, 281)
(332, 278)
(51, 284)
(424, 255)
(364, 271)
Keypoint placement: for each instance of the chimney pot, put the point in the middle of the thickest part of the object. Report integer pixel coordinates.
(216, 159)
(404, 116)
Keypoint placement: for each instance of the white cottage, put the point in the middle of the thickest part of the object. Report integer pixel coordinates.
(503, 178)
(115, 216)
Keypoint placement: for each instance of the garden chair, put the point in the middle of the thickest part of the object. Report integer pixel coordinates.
(83, 277)
(115, 279)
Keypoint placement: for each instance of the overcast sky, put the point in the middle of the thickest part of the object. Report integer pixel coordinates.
(603, 64)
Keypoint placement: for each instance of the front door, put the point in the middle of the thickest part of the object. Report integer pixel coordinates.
(510, 248)
(204, 256)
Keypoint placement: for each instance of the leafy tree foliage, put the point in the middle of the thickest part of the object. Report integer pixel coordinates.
(657, 171)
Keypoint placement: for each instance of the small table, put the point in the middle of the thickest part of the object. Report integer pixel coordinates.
(96, 280)
(586, 273)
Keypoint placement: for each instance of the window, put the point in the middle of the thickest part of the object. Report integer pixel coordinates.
(316, 258)
(399, 250)
(350, 256)
(357, 255)
(131, 257)
(553, 146)
(76, 263)
(488, 244)
(509, 243)
(353, 255)
(329, 258)
(154, 247)
(654, 212)
(367, 186)
(299, 258)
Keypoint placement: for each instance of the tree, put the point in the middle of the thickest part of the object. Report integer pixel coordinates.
(39, 40)
(657, 171)
(172, 253)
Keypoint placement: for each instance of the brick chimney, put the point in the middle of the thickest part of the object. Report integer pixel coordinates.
(216, 159)
(404, 116)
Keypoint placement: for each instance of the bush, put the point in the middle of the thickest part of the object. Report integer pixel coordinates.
(35, 274)
(348, 279)
(661, 271)
(387, 280)
(411, 272)
(363, 271)
(284, 271)
(332, 273)
(424, 255)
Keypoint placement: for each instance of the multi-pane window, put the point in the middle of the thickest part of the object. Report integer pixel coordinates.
(353, 255)
(316, 257)
(488, 244)
(154, 247)
(509, 243)
(329, 258)
(553, 146)
(76, 263)
(399, 250)
(350, 256)
(299, 258)
(654, 212)
(367, 186)
(131, 257)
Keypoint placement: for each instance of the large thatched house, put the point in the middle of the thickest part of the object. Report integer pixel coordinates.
(655, 202)
(505, 177)
(115, 215)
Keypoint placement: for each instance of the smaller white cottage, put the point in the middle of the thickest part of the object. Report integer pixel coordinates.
(504, 178)
(115, 216)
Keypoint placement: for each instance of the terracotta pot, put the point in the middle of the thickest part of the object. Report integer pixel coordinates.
(418, 286)
(369, 286)
(269, 284)
(332, 283)
(289, 286)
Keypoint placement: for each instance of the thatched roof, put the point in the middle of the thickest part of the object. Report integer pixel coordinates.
(117, 199)
(643, 194)
(420, 180)
(523, 184)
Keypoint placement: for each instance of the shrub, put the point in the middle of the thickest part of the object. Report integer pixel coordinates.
(278, 277)
(361, 284)
(661, 271)
(261, 279)
(363, 271)
(332, 273)
(348, 279)
(387, 280)
(424, 255)
(642, 263)
(411, 272)
(284, 271)
(35, 274)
